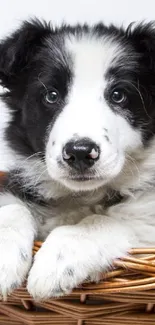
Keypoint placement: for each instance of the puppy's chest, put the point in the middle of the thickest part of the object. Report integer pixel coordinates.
(50, 217)
(69, 211)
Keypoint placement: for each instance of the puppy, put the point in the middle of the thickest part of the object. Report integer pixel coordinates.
(78, 134)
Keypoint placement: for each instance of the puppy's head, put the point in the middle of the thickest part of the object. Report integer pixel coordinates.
(84, 97)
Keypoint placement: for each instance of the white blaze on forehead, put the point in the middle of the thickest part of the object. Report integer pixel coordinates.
(86, 111)
(91, 59)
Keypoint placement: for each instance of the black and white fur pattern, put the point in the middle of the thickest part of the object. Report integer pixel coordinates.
(90, 217)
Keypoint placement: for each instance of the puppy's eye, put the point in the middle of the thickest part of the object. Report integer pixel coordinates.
(118, 96)
(52, 97)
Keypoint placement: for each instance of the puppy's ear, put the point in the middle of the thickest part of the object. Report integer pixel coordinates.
(18, 51)
(142, 37)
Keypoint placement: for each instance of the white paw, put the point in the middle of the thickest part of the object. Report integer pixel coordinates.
(59, 266)
(66, 259)
(16, 239)
(15, 262)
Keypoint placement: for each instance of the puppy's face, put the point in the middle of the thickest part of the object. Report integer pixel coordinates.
(81, 103)
(92, 132)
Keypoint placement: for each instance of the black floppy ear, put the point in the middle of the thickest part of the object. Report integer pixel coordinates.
(142, 37)
(18, 50)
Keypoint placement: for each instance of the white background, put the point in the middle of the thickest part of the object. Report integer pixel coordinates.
(117, 11)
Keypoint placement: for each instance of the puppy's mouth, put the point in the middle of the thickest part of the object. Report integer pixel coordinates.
(83, 182)
(83, 178)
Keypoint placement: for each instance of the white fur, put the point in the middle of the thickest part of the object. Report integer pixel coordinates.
(17, 232)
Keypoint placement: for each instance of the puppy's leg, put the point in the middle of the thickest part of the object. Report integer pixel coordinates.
(72, 254)
(17, 230)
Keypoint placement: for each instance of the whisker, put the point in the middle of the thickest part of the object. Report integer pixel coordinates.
(37, 180)
(22, 162)
(42, 82)
(133, 162)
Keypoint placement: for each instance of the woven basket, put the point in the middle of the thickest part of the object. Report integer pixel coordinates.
(124, 296)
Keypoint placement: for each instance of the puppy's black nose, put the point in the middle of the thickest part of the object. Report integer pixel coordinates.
(81, 154)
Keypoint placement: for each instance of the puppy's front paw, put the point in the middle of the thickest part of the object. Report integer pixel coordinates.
(59, 266)
(66, 259)
(15, 261)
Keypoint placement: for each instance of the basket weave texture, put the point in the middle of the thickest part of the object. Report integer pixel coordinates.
(124, 296)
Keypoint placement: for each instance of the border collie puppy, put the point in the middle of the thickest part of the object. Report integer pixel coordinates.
(78, 129)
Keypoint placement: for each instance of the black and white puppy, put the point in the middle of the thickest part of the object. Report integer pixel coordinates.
(78, 130)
